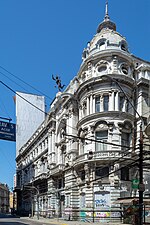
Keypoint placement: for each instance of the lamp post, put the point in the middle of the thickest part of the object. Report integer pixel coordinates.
(141, 185)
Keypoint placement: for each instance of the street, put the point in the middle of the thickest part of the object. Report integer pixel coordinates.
(9, 220)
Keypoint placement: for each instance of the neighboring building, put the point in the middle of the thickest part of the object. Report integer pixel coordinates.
(14, 181)
(11, 204)
(81, 158)
(28, 118)
(4, 198)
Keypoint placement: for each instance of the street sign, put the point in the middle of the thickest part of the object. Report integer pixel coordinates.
(7, 131)
(135, 183)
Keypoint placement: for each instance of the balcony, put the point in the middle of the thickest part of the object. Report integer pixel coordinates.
(41, 176)
(57, 169)
(102, 156)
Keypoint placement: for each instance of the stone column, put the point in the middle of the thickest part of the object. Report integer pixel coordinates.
(112, 101)
(80, 112)
(88, 106)
(93, 103)
(49, 146)
(124, 105)
(101, 103)
(117, 101)
(53, 146)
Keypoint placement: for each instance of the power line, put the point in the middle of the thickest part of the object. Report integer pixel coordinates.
(98, 141)
(23, 97)
(24, 82)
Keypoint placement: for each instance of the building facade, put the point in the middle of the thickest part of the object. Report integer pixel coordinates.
(83, 156)
(4, 198)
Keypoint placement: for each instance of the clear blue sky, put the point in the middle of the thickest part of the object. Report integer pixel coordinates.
(39, 38)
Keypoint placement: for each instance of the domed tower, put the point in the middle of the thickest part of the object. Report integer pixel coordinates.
(106, 119)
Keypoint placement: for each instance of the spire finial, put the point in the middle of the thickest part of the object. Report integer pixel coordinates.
(107, 23)
(106, 11)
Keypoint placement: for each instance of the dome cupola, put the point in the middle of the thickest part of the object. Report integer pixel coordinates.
(107, 23)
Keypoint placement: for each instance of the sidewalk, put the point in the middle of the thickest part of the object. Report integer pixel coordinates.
(65, 222)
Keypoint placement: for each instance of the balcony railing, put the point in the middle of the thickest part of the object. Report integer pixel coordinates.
(103, 156)
(57, 169)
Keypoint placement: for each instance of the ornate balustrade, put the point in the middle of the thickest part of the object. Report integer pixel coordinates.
(103, 156)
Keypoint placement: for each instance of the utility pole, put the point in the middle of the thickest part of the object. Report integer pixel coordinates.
(141, 185)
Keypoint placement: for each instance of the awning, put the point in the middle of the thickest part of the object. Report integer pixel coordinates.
(127, 201)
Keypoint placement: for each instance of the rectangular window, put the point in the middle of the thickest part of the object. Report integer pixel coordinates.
(82, 147)
(84, 107)
(101, 136)
(82, 200)
(82, 175)
(121, 103)
(102, 172)
(125, 140)
(67, 200)
(125, 173)
(105, 102)
(60, 183)
(97, 104)
(127, 106)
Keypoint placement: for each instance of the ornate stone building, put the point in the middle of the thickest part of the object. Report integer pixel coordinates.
(82, 157)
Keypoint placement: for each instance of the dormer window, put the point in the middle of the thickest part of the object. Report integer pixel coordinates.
(125, 69)
(101, 44)
(123, 46)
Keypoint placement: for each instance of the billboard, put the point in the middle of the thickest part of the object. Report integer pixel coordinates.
(7, 131)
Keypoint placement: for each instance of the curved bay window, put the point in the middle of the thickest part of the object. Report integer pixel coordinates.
(101, 136)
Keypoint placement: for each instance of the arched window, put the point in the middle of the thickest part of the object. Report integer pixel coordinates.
(124, 46)
(101, 43)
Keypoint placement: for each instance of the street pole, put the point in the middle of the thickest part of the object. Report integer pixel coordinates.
(38, 205)
(32, 209)
(141, 185)
(93, 202)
